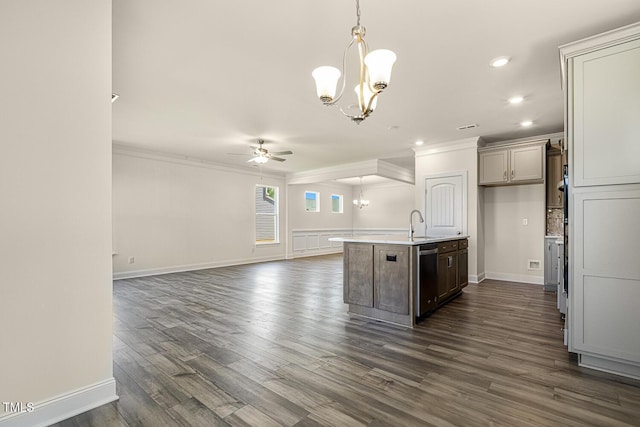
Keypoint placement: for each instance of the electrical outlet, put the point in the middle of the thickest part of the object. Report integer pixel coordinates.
(534, 264)
(525, 221)
(132, 260)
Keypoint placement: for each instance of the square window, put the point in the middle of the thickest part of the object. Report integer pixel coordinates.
(312, 201)
(336, 203)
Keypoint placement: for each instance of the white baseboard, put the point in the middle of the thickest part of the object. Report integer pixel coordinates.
(622, 368)
(520, 278)
(308, 253)
(476, 278)
(64, 406)
(191, 267)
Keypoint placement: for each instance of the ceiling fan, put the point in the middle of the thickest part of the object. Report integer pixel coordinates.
(262, 155)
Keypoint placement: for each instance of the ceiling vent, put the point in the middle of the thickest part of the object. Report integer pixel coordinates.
(465, 127)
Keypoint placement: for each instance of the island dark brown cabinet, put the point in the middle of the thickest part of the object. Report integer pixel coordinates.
(381, 275)
(448, 284)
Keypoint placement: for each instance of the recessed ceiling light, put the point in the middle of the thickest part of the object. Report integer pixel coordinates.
(526, 123)
(500, 61)
(419, 142)
(516, 99)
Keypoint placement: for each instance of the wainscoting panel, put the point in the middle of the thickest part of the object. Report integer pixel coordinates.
(312, 242)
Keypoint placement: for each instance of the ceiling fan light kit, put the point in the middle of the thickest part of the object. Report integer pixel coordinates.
(374, 75)
(261, 155)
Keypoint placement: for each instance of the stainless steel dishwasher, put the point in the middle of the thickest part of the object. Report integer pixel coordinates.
(427, 280)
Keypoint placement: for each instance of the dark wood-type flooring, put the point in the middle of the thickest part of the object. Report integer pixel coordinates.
(271, 344)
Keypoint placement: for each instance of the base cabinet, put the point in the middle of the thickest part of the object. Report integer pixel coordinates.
(463, 267)
(391, 278)
(381, 280)
(358, 274)
(447, 275)
(551, 263)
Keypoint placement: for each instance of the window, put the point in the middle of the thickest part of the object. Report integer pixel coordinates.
(336, 203)
(312, 201)
(266, 215)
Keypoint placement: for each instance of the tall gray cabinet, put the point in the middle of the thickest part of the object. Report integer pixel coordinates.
(601, 78)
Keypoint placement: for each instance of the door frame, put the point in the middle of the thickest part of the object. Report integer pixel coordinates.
(463, 174)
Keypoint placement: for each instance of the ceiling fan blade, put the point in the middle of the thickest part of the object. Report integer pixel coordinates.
(282, 153)
(253, 159)
(277, 159)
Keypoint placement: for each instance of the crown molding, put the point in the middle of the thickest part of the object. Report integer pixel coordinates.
(596, 42)
(443, 147)
(352, 170)
(127, 150)
(522, 141)
(600, 41)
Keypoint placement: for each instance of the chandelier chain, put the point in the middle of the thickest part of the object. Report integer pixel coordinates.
(358, 11)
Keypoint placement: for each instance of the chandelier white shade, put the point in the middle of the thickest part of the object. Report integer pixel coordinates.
(361, 202)
(367, 94)
(373, 77)
(379, 63)
(326, 82)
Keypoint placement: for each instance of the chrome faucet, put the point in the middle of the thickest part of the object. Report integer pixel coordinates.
(411, 231)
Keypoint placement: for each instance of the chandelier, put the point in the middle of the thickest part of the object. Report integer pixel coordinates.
(374, 75)
(361, 202)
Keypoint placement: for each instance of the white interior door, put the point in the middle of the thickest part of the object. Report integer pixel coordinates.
(445, 202)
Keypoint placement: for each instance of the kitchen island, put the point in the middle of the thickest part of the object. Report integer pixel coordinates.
(398, 280)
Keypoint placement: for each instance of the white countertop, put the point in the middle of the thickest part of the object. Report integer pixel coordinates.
(397, 239)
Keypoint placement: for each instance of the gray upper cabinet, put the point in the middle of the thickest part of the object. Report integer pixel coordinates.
(493, 167)
(522, 163)
(606, 108)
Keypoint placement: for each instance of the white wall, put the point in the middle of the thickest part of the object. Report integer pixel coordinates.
(55, 221)
(390, 205)
(509, 245)
(456, 156)
(309, 232)
(172, 215)
(299, 219)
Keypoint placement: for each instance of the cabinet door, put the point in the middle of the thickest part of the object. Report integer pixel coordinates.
(443, 286)
(463, 268)
(526, 164)
(548, 254)
(391, 278)
(358, 274)
(493, 167)
(554, 175)
(452, 273)
(604, 117)
(447, 275)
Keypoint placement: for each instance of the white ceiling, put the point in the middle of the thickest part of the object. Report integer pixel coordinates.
(204, 78)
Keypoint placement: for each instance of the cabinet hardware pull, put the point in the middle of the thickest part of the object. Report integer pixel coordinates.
(512, 173)
(505, 175)
(391, 258)
(449, 261)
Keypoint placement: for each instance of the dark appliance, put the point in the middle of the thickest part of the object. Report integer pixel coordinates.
(427, 283)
